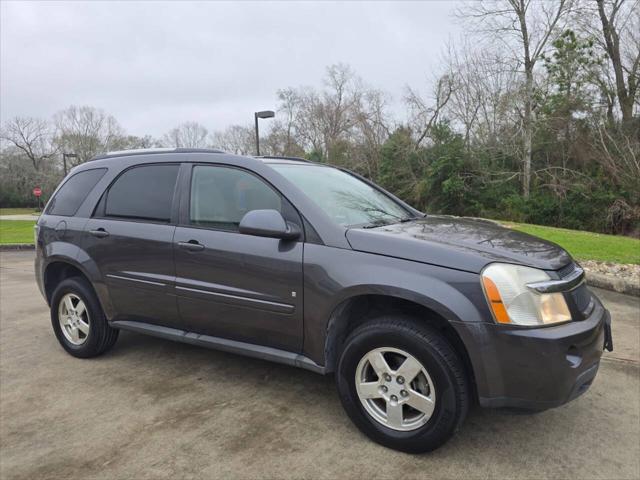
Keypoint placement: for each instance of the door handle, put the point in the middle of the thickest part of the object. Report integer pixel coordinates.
(191, 245)
(100, 233)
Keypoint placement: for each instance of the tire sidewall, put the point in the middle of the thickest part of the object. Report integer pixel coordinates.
(81, 289)
(447, 411)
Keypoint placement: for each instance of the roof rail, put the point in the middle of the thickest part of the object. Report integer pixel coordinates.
(115, 153)
(283, 157)
(149, 151)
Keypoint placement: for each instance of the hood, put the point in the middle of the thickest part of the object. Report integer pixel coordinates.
(458, 242)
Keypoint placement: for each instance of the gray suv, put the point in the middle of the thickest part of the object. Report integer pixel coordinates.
(417, 316)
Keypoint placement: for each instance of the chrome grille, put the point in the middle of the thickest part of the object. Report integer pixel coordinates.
(567, 270)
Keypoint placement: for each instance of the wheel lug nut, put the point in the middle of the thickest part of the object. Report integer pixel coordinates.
(394, 398)
(387, 377)
(404, 393)
(384, 388)
(400, 380)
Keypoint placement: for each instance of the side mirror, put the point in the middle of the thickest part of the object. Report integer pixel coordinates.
(268, 223)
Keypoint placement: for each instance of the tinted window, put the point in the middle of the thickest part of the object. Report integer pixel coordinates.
(220, 196)
(73, 192)
(143, 192)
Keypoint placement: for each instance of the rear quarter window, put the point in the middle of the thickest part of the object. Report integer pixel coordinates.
(72, 193)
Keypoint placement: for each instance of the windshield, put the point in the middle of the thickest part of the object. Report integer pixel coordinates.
(345, 198)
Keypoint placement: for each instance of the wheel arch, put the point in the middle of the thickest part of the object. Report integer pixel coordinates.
(59, 268)
(356, 310)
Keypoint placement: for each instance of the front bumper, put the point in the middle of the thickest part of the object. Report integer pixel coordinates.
(537, 368)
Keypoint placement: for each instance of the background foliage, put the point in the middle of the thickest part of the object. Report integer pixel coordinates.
(534, 120)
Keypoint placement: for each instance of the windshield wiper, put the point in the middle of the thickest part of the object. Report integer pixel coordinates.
(384, 212)
(409, 219)
(379, 223)
(383, 223)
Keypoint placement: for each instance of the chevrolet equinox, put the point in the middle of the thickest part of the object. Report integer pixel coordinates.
(417, 316)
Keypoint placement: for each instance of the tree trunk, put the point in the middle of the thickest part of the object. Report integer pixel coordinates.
(527, 121)
(527, 125)
(612, 42)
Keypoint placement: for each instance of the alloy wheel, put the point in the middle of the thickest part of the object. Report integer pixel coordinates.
(395, 389)
(74, 319)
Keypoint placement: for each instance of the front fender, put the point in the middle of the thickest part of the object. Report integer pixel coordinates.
(433, 294)
(333, 276)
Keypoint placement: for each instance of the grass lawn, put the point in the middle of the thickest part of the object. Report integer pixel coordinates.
(16, 231)
(18, 211)
(587, 245)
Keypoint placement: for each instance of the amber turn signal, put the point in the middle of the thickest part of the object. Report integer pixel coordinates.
(495, 301)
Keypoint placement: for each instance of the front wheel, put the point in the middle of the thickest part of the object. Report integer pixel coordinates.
(402, 384)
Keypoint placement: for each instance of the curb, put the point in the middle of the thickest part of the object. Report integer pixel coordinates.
(17, 246)
(598, 280)
(615, 284)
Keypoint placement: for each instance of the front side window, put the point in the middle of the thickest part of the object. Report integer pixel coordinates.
(220, 196)
(144, 193)
(345, 198)
(73, 192)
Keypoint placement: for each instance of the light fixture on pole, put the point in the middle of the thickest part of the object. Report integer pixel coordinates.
(257, 115)
(64, 160)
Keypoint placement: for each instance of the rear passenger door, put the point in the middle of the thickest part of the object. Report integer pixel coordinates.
(232, 285)
(130, 238)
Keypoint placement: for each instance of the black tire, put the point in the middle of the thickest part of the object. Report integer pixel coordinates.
(430, 348)
(101, 336)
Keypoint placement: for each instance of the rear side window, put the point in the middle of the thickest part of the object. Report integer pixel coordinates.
(73, 192)
(144, 192)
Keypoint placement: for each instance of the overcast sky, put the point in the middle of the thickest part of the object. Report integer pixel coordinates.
(154, 65)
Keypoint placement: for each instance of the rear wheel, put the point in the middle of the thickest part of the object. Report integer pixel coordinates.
(78, 320)
(402, 384)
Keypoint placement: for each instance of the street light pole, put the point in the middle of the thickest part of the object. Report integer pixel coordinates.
(257, 115)
(64, 160)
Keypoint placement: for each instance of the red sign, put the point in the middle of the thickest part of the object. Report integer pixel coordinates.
(37, 191)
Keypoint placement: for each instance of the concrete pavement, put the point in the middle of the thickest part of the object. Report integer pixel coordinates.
(155, 409)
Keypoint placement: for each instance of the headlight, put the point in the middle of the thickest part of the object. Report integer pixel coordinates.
(512, 301)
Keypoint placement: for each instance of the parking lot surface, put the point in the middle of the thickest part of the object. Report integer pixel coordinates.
(151, 408)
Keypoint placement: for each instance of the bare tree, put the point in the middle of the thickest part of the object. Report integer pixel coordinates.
(372, 129)
(281, 140)
(129, 142)
(186, 135)
(236, 139)
(286, 129)
(321, 121)
(467, 93)
(525, 28)
(425, 113)
(86, 131)
(32, 136)
(340, 102)
(621, 40)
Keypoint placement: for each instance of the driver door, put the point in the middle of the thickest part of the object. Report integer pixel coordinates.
(228, 284)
